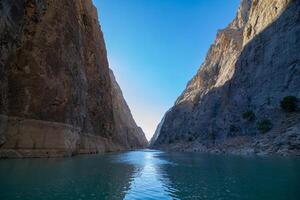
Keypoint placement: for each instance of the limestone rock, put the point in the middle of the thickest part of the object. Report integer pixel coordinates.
(252, 65)
(55, 87)
(128, 133)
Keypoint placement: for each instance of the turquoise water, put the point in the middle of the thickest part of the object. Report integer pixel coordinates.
(149, 175)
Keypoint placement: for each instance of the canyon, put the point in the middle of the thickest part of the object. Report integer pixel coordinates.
(58, 96)
(67, 132)
(232, 104)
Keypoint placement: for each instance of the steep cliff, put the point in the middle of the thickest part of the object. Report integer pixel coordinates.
(55, 88)
(232, 104)
(128, 133)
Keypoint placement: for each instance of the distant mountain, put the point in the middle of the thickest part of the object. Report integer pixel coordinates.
(57, 97)
(240, 100)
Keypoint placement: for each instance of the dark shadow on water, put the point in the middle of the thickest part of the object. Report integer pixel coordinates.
(151, 175)
(204, 176)
(82, 177)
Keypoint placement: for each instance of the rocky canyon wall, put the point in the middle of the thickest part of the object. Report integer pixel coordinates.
(128, 133)
(253, 64)
(56, 94)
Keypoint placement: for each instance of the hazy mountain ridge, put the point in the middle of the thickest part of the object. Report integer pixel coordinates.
(55, 85)
(252, 65)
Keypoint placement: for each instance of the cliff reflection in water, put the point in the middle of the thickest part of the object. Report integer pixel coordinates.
(208, 176)
(151, 175)
(83, 177)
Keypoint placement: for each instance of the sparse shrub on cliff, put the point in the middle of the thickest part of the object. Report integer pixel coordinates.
(191, 138)
(264, 125)
(212, 136)
(248, 115)
(289, 103)
(233, 128)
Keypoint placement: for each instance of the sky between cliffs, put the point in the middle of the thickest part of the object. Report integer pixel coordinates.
(156, 46)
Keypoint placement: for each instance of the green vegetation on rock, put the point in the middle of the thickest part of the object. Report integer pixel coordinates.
(248, 115)
(289, 103)
(264, 125)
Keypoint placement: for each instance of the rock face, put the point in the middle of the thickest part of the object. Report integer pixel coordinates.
(55, 87)
(252, 65)
(128, 133)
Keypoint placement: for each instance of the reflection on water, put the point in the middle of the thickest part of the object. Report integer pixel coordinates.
(200, 176)
(148, 179)
(83, 177)
(149, 175)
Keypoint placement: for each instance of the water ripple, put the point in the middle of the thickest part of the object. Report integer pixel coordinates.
(151, 175)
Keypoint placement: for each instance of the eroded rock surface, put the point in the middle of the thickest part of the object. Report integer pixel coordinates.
(128, 133)
(55, 87)
(252, 65)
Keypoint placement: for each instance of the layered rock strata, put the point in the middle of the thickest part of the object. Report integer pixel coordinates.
(55, 87)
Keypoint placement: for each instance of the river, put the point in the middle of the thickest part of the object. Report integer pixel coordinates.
(151, 174)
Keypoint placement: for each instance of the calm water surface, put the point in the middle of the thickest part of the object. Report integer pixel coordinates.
(149, 175)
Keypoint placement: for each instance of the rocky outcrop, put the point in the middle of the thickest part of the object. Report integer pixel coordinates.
(128, 133)
(157, 131)
(55, 88)
(252, 65)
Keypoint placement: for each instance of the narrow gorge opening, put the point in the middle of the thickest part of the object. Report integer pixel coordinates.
(143, 99)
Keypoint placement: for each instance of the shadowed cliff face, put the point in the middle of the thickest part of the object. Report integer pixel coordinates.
(54, 68)
(253, 64)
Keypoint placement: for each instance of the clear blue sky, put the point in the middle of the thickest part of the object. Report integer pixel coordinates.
(156, 46)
